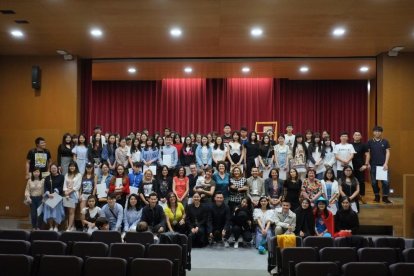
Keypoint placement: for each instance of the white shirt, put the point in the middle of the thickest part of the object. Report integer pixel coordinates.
(136, 156)
(264, 217)
(204, 154)
(289, 140)
(343, 151)
(219, 154)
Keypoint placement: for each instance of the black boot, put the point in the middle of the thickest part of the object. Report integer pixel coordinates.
(377, 199)
(386, 200)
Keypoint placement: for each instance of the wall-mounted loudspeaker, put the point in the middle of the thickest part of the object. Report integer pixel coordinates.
(36, 77)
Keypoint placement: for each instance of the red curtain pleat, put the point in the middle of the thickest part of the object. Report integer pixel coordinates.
(204, 105)
(333, 105)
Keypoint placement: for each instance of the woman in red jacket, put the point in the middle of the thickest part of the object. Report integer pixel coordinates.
(324, 220)
(119, 185)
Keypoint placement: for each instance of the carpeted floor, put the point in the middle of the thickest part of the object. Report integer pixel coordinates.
(218, 260)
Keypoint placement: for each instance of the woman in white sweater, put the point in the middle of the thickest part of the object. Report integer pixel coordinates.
(330, 190)
(71, 186)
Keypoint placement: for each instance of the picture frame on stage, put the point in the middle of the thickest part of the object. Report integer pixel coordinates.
(261, 128)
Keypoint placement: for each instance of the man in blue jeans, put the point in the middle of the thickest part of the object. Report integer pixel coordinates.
(379, 155)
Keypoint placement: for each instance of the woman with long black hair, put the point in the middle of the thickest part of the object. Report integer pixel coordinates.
(108, 152)
(305, 221)
(134, 154)
(349, 186)
(252, 151)
(64, 153)
(235, 153)
(188, 152)
(80, 153)
(95, 152)
(300, 156)
(266, 156)
(71, 187)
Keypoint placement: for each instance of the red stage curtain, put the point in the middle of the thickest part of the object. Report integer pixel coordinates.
(200, 105)
(241, 101)
(334, 105)
(184, 106)
(124, 106)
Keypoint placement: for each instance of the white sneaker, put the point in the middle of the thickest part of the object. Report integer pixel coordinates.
(236, 245)
(273, 271)
(56, 229)
(226, 244)
(69, 230)
(51, 229)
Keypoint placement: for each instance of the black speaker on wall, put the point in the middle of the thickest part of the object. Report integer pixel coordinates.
(36, 77)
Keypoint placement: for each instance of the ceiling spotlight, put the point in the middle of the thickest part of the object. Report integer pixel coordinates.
(96, 32)
(17, 33)
(245, 69)
(68, 57)
(256, 32)
(304, 69)
(339, 32)
(395, 50)
(176, 32)
(363, 69)
(132, 70)
(188, 69)
(61, 52)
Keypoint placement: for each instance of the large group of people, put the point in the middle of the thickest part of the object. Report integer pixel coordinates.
(215, 188)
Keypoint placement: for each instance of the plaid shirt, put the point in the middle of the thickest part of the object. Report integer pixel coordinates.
(237, 196)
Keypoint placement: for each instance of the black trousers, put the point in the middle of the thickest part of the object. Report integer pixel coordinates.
(361, 179)
(198, 239)
(217, 235)
(239, 231)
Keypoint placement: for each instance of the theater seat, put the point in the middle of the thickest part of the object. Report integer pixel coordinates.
(402, 269)
(15, 265)
(14, 235)
(145, 267)
(339, 255)
(60, 265)
(316, 269)
(364, 269)
(90, 249)
(14, 247)
(98, 266)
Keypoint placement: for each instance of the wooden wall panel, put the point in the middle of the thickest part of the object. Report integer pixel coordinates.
(26, 114)
(395, 101)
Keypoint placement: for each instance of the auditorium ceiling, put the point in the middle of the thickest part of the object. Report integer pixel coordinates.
(216, 37)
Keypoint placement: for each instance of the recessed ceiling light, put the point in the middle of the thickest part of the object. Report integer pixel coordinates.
(96, 32)
(61, 52)
(363, 69)
(17, 33)
(176, 32)
(256, 32)
(245, 69)
(338, 31)
(188, 69)
(132, 70)
(304, 69)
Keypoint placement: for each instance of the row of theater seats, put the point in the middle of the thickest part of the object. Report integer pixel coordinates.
(349, 254)
(99, 244)
(352, 269)
(50, 265)
(353, 241)
(107, 237)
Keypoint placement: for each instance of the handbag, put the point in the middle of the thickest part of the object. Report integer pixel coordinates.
(27, 201)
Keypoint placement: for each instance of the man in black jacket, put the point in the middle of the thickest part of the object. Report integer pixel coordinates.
(153, 215)
(219, 220)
